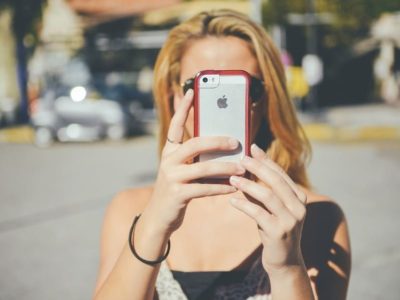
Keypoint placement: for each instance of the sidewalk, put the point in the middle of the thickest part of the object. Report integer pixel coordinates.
(371, 122)
(17, 135)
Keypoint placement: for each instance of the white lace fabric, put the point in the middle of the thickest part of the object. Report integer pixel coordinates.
(255, 285)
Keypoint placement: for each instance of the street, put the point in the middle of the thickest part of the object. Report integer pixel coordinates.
(53, 201)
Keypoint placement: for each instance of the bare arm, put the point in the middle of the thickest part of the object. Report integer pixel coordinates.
(322, 246)
(121, 275)
(327, 252)
(291, 283)
(278, 206)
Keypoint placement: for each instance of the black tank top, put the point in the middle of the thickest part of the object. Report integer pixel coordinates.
(200, 285)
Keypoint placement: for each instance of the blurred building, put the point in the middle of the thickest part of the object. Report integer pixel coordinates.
(9, 94)
(371, 70)
(107, 51)
(385, 35)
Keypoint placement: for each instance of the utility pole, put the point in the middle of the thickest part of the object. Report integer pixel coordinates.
(311, 34)
(311, 20)
(256, 10)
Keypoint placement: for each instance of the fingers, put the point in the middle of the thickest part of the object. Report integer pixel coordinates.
(286, 219)
(177, 125)
(186, 173)
(260, 155)
(257, 152)
(263, 219)
(197, 145)
(262, 194)
(272, 227)
(196, 190)
(277, 183)
(299, 193)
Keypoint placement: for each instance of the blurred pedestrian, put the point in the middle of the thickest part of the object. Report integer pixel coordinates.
(270, 238)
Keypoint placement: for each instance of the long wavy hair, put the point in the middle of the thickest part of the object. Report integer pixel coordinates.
(280, 133)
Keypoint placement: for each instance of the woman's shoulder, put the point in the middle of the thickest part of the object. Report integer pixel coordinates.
(325, 223)
(123, 208)
(326, 245)
(313, 196)
(131, 201)
(322, 206)
(117, 220)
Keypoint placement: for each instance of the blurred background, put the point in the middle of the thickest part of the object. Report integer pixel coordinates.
(78, 124)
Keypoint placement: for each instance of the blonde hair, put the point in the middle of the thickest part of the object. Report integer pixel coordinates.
(281, 134)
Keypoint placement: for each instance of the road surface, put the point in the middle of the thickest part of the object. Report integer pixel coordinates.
(53, 201)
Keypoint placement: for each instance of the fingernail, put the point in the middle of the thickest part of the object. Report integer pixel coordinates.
(233, 143)
(234, 180)
(246, 159)
(189, 93)
(240, 169)
(254, 147)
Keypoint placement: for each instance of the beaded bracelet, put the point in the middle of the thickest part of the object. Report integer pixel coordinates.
(130, 242)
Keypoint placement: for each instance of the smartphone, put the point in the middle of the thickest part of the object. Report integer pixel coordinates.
(222, 108)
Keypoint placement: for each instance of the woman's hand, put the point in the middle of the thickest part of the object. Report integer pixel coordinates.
(175, 185)
(278, 207)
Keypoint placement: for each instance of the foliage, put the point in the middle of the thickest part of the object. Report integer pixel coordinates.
(26, 15)
(352, 18)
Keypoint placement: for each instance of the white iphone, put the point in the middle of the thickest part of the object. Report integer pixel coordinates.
(222, 108)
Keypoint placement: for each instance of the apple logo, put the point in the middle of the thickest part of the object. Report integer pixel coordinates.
(221, 102)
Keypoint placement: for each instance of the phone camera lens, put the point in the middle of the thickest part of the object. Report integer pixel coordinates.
(205, 79)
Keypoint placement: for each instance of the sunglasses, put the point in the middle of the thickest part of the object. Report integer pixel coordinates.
(257, 88)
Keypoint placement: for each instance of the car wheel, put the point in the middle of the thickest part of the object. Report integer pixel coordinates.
(115, 132)
(43, 137)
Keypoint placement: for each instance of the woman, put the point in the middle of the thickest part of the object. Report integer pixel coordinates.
(271, 238)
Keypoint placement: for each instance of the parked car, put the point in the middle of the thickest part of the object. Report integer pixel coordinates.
(77, 117)
(77, 105)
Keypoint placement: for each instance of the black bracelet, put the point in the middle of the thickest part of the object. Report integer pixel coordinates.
(130, 242)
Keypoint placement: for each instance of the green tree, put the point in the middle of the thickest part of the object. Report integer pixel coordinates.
(353, 16)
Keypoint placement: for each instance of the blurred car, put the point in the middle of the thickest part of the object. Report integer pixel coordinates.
(78, 118)
(76, 104)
